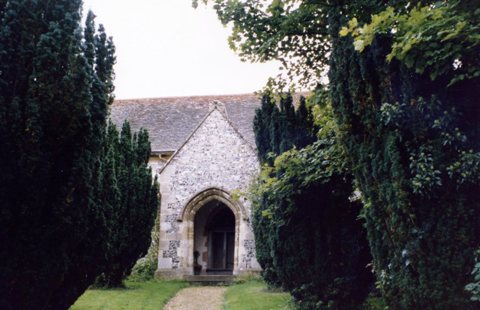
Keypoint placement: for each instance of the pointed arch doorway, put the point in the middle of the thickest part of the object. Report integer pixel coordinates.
(214, 238)
(212, 220)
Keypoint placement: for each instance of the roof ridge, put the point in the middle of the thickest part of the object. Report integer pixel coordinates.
(184, 97)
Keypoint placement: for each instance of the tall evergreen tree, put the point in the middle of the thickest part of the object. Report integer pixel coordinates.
(413, 137)
(55, 87)
(287, 123)
(305, 129)
(275, 130)
(134, 201)
(308, 237)
(278, 128)
(261, 127)
(406, 106)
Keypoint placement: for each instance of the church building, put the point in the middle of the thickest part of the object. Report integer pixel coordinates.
(203, 152)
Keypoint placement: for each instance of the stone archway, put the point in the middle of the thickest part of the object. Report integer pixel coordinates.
(209, 210)
(214, 239)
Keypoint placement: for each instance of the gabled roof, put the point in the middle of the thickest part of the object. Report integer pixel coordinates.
(214, 107)
(170, 121)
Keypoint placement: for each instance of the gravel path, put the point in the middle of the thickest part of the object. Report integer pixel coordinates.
(197, 298)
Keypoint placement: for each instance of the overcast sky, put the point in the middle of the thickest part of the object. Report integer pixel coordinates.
(166, 48)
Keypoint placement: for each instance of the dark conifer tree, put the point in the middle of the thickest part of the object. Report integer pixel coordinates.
(261, 127)
(279, 129)
(56, 219)
(406, 107)
(134, 204)
(305, 129)
(309, 239)
(275, 132)
(50, 99)
(414, 144)
(287, 123)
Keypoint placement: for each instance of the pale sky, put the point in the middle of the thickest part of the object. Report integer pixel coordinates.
(166, 48)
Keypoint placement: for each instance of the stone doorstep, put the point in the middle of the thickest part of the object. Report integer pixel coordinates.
(210, 279)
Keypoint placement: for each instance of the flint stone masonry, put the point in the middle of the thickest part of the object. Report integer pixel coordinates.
(203, 151)
(250, 254)
(216, 157)
(172, 253)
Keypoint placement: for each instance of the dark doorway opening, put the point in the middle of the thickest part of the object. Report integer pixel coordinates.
(215, 238)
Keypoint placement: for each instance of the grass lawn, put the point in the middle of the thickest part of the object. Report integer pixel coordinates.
(137, 295)
(254, 295)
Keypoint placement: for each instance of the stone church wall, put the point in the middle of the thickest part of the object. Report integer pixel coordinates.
(215, 156)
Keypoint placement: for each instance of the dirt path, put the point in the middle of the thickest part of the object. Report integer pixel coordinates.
(197, 298)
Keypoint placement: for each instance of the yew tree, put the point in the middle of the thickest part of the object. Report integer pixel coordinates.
(404, 85)
(56, 223)
(309, 240)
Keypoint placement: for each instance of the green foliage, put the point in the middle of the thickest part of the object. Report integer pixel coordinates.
(146, 266)
(375, 303)
(134, 201)
(58, 184)
(406, 135)
(309, 240)
(293, 32)
(49, 216)
(144, 270)
(439, 38)
(474, 287)
(279, 128)
(407, 115)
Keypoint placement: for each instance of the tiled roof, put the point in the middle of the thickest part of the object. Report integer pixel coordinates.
(170, 121)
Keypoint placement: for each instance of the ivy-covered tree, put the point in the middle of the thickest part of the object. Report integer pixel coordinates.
(415, 127)
(308, 237)
(55, 88)
(406, 106)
